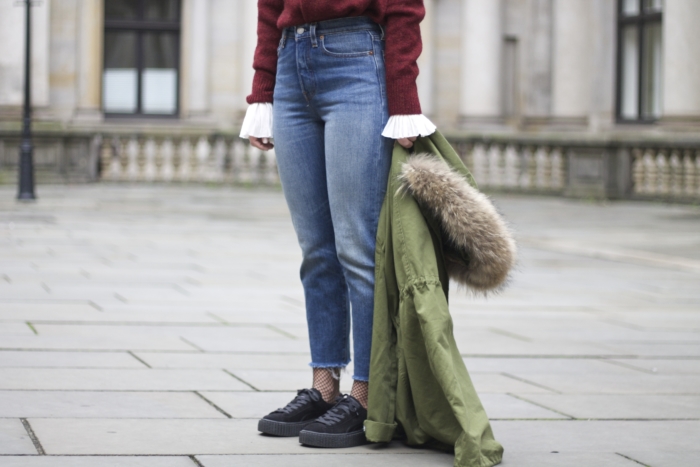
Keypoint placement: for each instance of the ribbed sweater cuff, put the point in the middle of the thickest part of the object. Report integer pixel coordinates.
(403, 98)
(263, 89)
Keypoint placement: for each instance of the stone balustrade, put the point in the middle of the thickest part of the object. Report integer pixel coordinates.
(588, 168)
(216, 159)
(662, 168)
(531, 168)
(667, 173)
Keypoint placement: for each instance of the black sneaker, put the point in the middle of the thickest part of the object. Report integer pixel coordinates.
(340, 427)
(289, 420)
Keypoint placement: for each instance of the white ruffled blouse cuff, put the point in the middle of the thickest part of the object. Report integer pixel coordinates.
(257, 121)
(407, 126)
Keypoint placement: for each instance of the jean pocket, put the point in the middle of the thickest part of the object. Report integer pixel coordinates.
(347, 44)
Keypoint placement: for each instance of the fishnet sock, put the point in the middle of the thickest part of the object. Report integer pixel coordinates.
(360, 391)
(327, 381)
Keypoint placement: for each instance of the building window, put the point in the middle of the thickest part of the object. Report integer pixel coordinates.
(639, 75)
(141, 57)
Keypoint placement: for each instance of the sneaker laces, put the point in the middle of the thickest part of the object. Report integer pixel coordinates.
(341, 410)
(304, 396)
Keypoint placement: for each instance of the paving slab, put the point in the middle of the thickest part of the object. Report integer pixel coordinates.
(621, 406)
(283, 380)
(604, 383)
(104, 404)
(559, 365)
(104, 271)
(421, 458)
(59, 359)
(249, 404)
(222, 360)
(664, 366)
(665, 458)
(173, 437)
(508, 407)
(16, 329)
(565, 459)
(14, 438)
(96, 461)
(207, 331)
(597, 436)
(126, 342)
(117, 379)
(262, 346)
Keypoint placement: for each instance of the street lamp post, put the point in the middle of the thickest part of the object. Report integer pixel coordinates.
(26, 149)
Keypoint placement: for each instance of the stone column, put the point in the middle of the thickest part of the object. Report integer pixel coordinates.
(195, 71)
(249, 26)
(681, 61)
(603, 42)
(480, 99)
(537, 65)
(12, 54)
(89, 55)
(571, 72)
(426, 61)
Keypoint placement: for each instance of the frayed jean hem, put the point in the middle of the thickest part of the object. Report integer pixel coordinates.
(329, 365)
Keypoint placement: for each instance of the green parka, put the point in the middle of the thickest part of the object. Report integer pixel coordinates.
(433, 225)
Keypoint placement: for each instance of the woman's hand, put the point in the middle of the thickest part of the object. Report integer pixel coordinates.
(261, 143)
(407, 142)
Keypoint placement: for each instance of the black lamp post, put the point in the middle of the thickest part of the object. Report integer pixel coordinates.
(26, 149)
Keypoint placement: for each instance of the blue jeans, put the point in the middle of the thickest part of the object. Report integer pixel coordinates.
(329, 111)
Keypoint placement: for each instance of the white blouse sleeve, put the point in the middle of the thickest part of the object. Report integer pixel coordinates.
(257, 121)
(407, 126)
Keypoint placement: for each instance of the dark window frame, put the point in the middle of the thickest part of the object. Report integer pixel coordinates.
(639, 20)
(141, 26)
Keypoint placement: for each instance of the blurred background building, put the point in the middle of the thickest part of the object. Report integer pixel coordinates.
(537, 94)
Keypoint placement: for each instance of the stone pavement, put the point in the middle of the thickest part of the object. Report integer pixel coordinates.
(151, 326)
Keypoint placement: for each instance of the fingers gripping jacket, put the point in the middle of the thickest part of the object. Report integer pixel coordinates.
(482, 250)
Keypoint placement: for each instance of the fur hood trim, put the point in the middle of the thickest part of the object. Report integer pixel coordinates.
(479, 248)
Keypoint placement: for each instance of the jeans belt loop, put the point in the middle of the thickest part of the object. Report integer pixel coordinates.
(283, 39)
(312, 31)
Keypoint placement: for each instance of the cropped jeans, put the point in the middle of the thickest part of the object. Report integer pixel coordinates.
(329, 111)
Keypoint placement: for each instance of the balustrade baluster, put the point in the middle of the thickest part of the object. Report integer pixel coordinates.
(254, 157)
(664, 173)
(495, 175)
(167, 171)
(203, 152)
(638, 175)
(132, 153)
(651, 172)
(557, 169)
(480, 159)
(219, 159)
(185, 168)
(512, 167)
(675, 174)
(237, 159)
(543, 169)
(271, 174)
(149, 169)
(696, 156)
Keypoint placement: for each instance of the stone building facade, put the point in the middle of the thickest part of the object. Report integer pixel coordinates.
(498, 65)
(581, 69)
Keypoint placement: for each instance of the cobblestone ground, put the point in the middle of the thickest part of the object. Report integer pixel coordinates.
(152, 326)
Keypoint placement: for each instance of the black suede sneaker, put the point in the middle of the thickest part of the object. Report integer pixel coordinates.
(289, 420)
(340, 427)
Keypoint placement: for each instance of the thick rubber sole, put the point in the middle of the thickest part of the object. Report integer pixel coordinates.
(272, 427)
(332, 440)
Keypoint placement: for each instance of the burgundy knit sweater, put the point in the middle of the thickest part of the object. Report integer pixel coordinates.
(400, 19)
